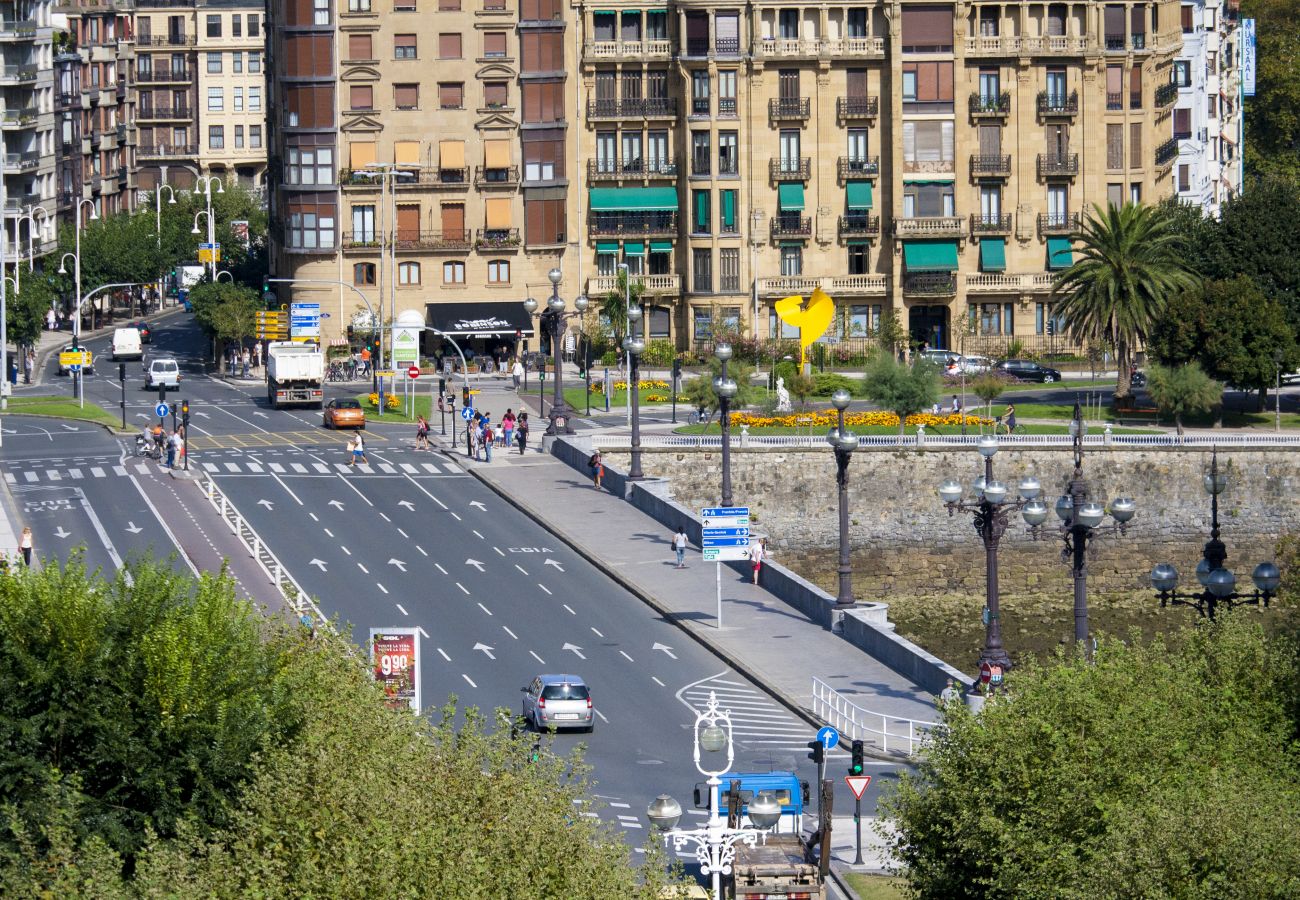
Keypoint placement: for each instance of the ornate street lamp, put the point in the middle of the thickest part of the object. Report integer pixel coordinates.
(635, 346)
(1217, 582)
(991, 507)
(725, 388)
(715, 844)
(1081, 520)
(844, 443)
(553, 320)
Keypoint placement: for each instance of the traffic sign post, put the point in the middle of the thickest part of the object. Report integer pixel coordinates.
(724, 538)
(413, 372)
(858, 785)
(161, 410)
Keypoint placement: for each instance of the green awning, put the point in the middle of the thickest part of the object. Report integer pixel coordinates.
(859, 194)
(729, 208)
(993, 255)
(930, 256)
(1059, 254)
(603, 12)
(792, 243)
(790, 196)
(606, 246)
(661, 246)
(634, 248)
(703, 214)
(643, 199)
(629, 12)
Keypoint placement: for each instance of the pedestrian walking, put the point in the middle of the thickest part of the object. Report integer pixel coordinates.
(51, 320)
(246, 359)
(757, 554)
(257, 355)
(521, 432)
(25, 545)
(421, 433)
(597, 469)
(365, 362)
(517, 373)
(508, 428)
(949, 694)
(956, 404)
(173, 444)
(679, 547)
(489, 436)
(358, 448)
(31, 364)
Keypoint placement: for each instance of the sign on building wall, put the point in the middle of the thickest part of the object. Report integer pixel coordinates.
(1248, 57)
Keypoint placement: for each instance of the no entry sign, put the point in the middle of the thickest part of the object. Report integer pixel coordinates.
(413, 372)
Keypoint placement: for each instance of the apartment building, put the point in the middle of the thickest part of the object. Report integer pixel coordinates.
(94, 98)
(1208, 120)
(27, 124)
(423, 158)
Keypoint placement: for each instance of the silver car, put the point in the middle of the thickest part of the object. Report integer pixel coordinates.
(558, 701)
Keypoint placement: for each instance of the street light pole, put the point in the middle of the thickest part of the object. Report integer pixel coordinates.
(1278, 358)
(725, 388)
(212, 240)
(76, 270)
(157, 222)
(560, 414)
(635, 346)
(844, 442)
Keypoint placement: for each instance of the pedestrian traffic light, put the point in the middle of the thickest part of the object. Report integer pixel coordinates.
(677, 370)
(1051, 328)
(121, 372)
(817, 752)
(857, 763)
(442, 387)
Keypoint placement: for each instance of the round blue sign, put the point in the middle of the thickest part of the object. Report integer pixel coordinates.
(828, 736)
(161, 410)
(467, 413)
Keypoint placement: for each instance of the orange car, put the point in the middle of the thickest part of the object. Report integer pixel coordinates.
(344, 414)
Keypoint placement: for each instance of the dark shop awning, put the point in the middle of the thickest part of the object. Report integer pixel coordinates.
(489, 318)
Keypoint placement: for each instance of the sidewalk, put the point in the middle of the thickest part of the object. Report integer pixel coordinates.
(761, 636)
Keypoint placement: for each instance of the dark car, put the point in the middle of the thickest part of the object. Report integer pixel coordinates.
(146, 335)
(1027, 370)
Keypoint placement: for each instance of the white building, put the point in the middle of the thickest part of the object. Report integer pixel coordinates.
(1207, 115)
(27, 121)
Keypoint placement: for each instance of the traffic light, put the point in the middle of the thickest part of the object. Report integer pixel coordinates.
(856, 765)
(185, 410)
(816, 752)
(1051, 328)
(677, 371)
(121, 372)
(464, 397)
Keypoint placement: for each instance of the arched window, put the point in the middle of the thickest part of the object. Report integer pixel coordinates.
(499, 271)
(408, 273)
(363, 273)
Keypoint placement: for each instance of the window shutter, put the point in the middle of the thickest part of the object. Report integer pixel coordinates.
(401, 41)
(451, 154)
(1114, 20)
(359, 46)
(1135, 146)
(408, 222)
(494, 43)
(1114, 79)
(927, 26)
(1114, 146)
(946, 134)
(727, 28)
(498, 212)
(406, 153)
(857, 83)
(361, 155)
(496, 154)
(909, 141)
(944, 75)
(453, 221)
(449, 46)
(406, 96)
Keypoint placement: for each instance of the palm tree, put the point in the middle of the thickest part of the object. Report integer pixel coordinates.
(1130, 261)
(613, 306)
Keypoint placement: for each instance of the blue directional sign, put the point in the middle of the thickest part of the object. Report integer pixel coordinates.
(713, 512)
(161, 410)
(467, 413)
(725, 536)
(828, 737)
(725, 532)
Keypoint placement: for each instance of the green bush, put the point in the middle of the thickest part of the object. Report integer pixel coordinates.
(609, 358)
(827, 383)
(784, 369)
(659, 353)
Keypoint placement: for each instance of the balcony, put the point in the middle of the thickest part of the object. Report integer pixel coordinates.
(1115, 43)
(857, 107)
(990, 165)
(1167, 152)
(615, 50)
(164, 76)
(856, 168)
(496, 240)
(18, 75)
(502, 176)
(789, 109)
(18, 118)
(796, 169)
(858, 225)
(838, 48)
(22, 162)
(1002, 283)
(1052, 104)
(989, 225)
(1058, 165)
(930, 227)
(166, 40)
(929, 284)
(984, 106)
(701, 165)
(1114, 101)
(614, 170)
(651, 108)
(659, 223)
(727, 107)
(1166, 94)
(409, 240)
(1011, 45)
(65, 101)
(435, 177)
(698, 48)
(163, 113)
(166, 151)
(1058, 223)
(834, 285)
(651, 285)
(791, 226)
(12, 31)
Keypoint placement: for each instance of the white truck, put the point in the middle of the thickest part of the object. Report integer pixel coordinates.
(295, 374)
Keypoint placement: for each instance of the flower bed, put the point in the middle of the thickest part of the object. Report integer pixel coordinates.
(828, 419)
(598, 387)
(391, 401)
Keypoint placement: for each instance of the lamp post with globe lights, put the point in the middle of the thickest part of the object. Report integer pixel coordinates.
(726, 388)
(1218, 583)
(844, 442)
(553, 320)
(991, 508)
(634, 344)
(715, 843)
(1081, 519)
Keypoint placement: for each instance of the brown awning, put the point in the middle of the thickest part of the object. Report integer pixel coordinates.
(498, 212)
(497, 154)
(451, 154)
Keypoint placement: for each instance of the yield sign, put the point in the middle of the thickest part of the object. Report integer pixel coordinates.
(858, 784)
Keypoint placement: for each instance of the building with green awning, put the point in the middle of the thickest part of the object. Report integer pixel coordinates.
(634, 199)
(993, 255)
(634, 248)
(858, 195)
(1060, 255)
(661, 246)
(930, 256)
(790, 196)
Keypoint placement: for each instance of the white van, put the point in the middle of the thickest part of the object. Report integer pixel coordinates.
(126, 344)
(162, 372)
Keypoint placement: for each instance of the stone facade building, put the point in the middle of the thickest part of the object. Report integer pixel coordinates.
(27, 124)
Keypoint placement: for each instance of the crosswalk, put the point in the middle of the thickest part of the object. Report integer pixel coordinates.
(91, 468)
(762, 729)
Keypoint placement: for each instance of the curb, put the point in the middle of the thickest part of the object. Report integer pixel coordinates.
(748, 671)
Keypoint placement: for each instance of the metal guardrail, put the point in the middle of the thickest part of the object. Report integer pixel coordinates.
(856, 723)
(957, 441)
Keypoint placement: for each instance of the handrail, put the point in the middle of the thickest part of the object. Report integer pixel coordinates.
(856, 722)
(928, 441)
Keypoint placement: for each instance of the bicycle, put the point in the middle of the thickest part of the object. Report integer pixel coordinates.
(699, 416)
(1018, 428)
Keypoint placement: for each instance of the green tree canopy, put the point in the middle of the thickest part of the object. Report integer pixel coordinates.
(1157, 771)
(1183, 391)
(613, 306)
(699, 392)
(225, 311)
(1273, 114)
(901, 388)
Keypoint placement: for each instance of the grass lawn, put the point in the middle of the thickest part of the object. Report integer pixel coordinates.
(1065, 383)
(422, 405)
(876, 887)
(62, 408)
(576, 397)
(712, 428)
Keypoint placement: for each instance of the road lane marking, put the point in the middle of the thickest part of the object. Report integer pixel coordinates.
(470, 680)
(463, 588)
(403, 534)
(384, 517)
(657, 681)
(322, 468)
(498, 550)
(620, 805)
(53, 475)
(387, 469)
(299, 468)
(254, 467)
(475, 530)
(232, 467)
(511, 633)
(76, 474)
(423, 633)
(628, 658)
(485, 609)
(381, 587)
(543, 587)
(402, 609)
(119, 470)
(569, 608)
(31, 476)
(595, 632)
(211, 467)
(606, 721)
(521, 568)
(345, 550)
(457, 517)
(363, 568)
(407, 467)
(443, 653)
(97, 471)
(355, 488)
(422, 553)
(430, 467)
(277, 468)
(328, 533)
(426, 493)
(536, 657)
(142, 469)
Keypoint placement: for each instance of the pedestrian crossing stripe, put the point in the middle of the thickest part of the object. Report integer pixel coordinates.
(242, 467)
(333, 439)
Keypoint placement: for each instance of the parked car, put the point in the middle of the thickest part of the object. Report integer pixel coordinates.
(941, 358)
(162, 372)
(976, 365)
(146, 334)
(558, 701)
(342, 413)
(1027, 370)
(1290, 377)
(85, 370)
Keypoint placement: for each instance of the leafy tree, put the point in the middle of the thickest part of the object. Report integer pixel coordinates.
(225, 311)
(1177, 337)
(891, 334)
(802, 386)
(1273, 114)
(613, 306)
(1128, 265)
(1183, 391)
(25, 309)
(1155, 771)
(901, 388)
(988, 386)
(699, 391)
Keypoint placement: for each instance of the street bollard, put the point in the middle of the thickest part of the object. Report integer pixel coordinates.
(223, 506)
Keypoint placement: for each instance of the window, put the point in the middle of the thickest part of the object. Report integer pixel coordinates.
(927, 29)
(1114, 87)
(363, 274)
(1186, 13)
(656, 25)
(311, 226)
(216, 99)
(1057, 204)
(1114, 146)
(408, 273)
(255, 137)
(451, 95)
(1135, 146)
(254, 25)
(404, 46)
(927, 87)
(214, 26)
(237, 62)
(604, 25)
(541, 51)
(254, 99)
(544, 221)
(788, 142)
(702, 320)
(857, 145)
(699, 92)
(216, 137)
(543, 101)
(730, 222)
(321, 12)
(254, 62)
(700, 153)
(358, 6)
(1056, 13)
(214, 63)
(1184, 176)
(631, 30)
(499, 271)
(729, 270)
(453, 272)
(990, 87)
(791, 260)
(543, 152)
(857, 23)
(605, 263)
(494, 44)
(236, 26)
(406, 96)
(701, 213)
(928, 199)
(928, 146)
(454, 6)
(728, 153)
(1182, 73)
(788, 24)
(863, 320)
(309, 165)
(361, 96)
(989, 21)
(1182, 123)
(496, 94)
(363, 224)
(656, 151)
(1135, 87)
(360, 46)
(449, 46)
(991, 204)
(1115, 195)
(726, 93)
(857, 253)
(239, 137)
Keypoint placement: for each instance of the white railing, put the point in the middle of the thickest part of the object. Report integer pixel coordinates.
(981, 45)
(994, 282)
(617, 49)
(831, 284)
(651, 284)
(856, 723)
(872, 46)
(921, 226)
(817, 438)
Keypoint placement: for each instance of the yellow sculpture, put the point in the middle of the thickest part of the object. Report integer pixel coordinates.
(811, 320)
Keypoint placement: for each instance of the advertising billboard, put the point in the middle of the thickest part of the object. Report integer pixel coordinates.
(1248, 57)
(394, 659)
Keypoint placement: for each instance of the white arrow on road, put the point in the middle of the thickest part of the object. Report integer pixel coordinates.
(407, 503)
(266, 503)
(203, 414)
(475, 563)
(576, 650)
(133, 528)
(551, 562)
(71, 428)
(262, 414)
(60, 533)
(479, 505)
(319, 563)
(337, 504)
(397, 562)
(665, 648)
(486, 649)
